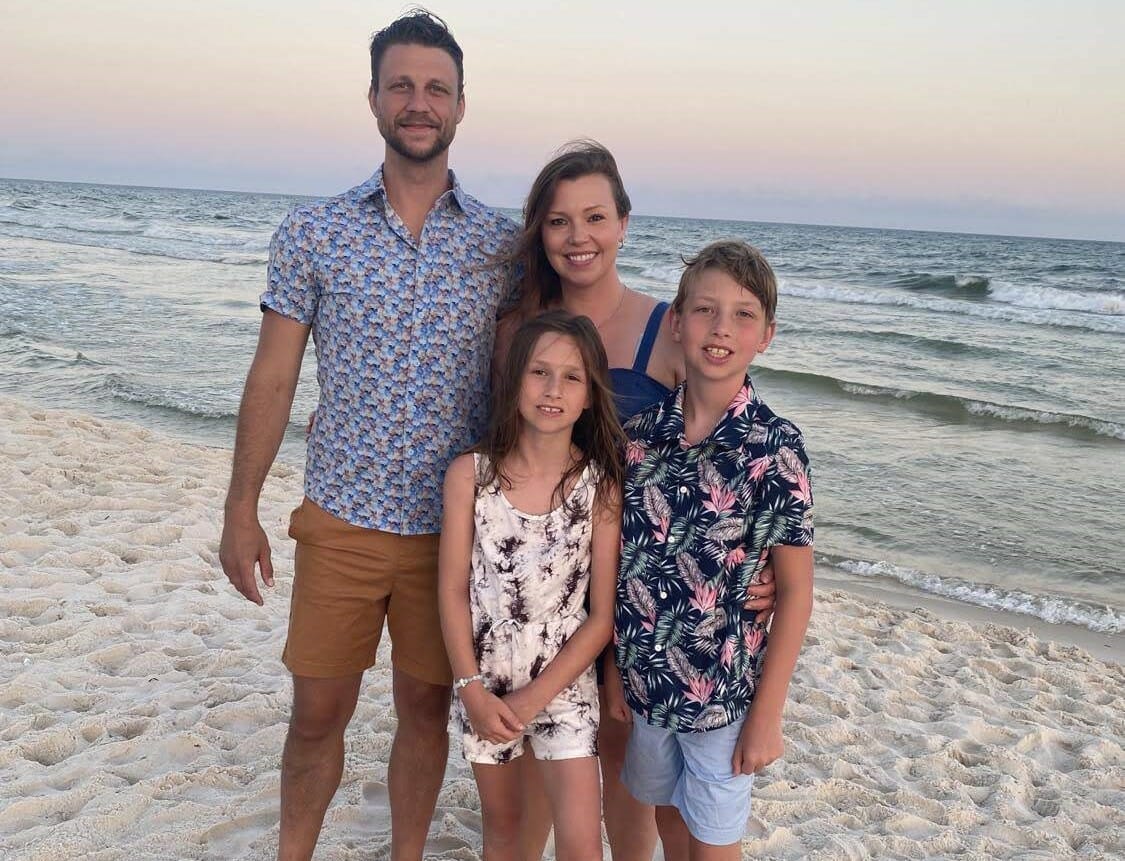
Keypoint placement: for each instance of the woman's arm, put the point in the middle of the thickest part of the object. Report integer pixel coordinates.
(760, 741)
(492, 720)
(587, 642)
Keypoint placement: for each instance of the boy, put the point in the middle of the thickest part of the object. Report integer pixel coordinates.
(714, 483)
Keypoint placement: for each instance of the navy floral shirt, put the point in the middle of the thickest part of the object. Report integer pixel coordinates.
(698, 525)
(403, 331)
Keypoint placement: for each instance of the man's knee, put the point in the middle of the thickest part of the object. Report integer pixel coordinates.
(322, 707)
(426, 704)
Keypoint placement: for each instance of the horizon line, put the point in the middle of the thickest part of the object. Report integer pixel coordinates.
(642, 215)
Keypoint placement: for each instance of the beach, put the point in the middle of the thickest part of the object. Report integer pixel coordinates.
(143, 703)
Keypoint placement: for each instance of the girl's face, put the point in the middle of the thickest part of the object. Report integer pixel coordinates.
(582, 231)
(555, 387)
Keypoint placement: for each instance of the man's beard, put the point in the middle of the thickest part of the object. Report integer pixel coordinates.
(441, 144)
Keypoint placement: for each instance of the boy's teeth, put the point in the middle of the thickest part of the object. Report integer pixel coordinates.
(717, 352)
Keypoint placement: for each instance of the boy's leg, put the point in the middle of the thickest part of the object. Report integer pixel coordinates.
(501, 805)
(714, 802)
(629, 824)
(575, 794)
(675, 841)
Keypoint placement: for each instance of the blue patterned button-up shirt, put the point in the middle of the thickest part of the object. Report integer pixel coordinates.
(403, 331)
(699, 521)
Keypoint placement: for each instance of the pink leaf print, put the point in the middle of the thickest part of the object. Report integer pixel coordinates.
(700, 690)
(791, 468)
(734, 558)
(720, 501)
(705, 597)
(757, 468)
(741, 401)
(634, 452)
(752, 638)
(726, 657)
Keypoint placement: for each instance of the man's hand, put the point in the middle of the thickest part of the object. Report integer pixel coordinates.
(244, 545)
(761, 596)
(490, 717)
(759, 744)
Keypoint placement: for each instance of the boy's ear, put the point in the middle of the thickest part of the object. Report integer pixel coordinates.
(767, 338)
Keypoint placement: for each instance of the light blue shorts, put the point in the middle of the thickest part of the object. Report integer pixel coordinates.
(691, 772)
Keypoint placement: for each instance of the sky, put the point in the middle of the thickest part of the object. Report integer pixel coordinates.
(991, 116)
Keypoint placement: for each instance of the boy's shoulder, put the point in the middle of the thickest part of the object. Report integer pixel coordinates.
(774, 431)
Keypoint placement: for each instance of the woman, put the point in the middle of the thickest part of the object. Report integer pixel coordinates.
(575, 220)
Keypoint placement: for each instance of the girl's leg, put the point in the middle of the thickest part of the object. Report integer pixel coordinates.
(536, 824)
(500, 805)
(629, 824)
(572, 788)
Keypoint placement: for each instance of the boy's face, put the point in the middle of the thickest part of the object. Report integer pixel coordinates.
(721, 327)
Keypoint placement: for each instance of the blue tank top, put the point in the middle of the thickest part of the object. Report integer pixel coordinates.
(634, 389)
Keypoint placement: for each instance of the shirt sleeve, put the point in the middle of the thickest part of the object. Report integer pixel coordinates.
(291, 288)
(790, 494)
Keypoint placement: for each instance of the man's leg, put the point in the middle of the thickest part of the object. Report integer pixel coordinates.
(418, 758)
(313, 759)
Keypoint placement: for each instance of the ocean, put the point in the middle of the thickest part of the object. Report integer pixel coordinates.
(962, 396)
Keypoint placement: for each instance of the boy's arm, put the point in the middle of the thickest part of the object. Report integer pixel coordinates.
(587, 642)
(491, 719)
(760, 741)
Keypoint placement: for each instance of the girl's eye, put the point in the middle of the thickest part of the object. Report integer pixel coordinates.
(574, 378)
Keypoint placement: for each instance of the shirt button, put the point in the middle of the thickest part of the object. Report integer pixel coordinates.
(683, 490)
(663, 594)
(658, 648)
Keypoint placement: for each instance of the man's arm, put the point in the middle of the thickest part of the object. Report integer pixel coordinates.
(262, 417)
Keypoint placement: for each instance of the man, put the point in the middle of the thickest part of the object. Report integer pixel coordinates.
(395, 280)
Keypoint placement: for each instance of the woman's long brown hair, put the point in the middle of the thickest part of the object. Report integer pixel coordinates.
(597, 434)
(539, 286)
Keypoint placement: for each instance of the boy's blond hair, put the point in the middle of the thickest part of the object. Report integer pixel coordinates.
(742, 262)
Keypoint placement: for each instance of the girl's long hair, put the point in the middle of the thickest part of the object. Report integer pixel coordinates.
(597, 434)
(539, 286)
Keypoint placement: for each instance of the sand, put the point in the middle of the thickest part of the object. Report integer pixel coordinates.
(143, 703)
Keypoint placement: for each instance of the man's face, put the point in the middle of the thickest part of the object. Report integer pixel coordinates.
(417, 104)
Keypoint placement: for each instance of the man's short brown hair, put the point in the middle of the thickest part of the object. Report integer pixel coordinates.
(742, 262)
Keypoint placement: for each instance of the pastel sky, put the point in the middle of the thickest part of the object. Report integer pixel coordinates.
(990, 116)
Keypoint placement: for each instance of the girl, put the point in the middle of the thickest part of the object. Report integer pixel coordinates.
(531, 525)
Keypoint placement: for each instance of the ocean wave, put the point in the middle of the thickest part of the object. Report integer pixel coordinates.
(1010, 313)
(972, 286)
(1049, 608)
(236, 256)
(165, 399)
(669, 274)
(956, 406)
(1051, 298)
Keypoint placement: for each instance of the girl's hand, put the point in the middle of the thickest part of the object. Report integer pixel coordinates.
(759, 743)
(522, 707)
(490, 717)
(762, 596)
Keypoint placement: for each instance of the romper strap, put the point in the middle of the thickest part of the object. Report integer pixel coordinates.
(648, 339)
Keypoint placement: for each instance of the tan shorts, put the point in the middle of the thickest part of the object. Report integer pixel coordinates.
(346, 581)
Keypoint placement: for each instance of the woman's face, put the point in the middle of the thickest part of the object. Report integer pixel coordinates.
(582, 231)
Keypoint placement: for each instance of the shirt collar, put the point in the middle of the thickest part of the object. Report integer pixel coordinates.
(729, 433)
(374, 187)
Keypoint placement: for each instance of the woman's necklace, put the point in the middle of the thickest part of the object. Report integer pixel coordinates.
(613, 313)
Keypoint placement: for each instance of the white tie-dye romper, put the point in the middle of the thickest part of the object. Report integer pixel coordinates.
(527, 590)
